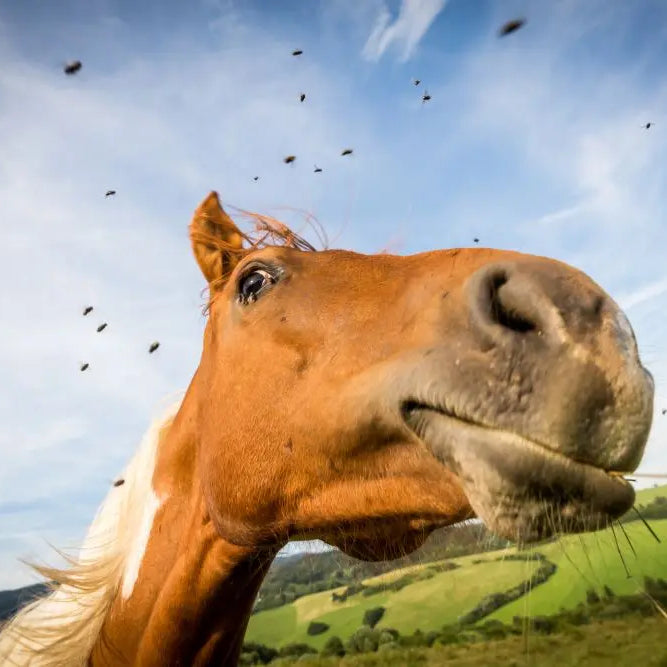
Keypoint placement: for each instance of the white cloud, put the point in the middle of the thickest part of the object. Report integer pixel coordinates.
(405, 32)
(562, 214)
(643, 293)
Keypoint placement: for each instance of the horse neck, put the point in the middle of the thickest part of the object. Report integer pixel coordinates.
(187, 595)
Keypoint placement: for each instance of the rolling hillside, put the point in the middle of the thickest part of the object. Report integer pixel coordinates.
(441, 598)
(592, 561)
(584, 562)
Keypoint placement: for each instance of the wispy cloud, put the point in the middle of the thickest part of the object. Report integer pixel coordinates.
(405, 32)
(562, 214)
(643, 294)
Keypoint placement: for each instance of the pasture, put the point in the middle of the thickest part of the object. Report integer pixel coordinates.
(425, 604)
(588, 561)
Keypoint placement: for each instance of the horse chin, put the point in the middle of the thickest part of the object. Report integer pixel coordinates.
(374, 542)
(521, 490)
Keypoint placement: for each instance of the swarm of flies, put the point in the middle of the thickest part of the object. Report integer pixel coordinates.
(425, 97)
(289, 159)
(154, 346)
(297, 52)
(109, 193)
(347, 151)
(87, 309)
(302, 97)
(102, 327)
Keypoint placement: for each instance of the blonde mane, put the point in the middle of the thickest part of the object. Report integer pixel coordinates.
(61, 629)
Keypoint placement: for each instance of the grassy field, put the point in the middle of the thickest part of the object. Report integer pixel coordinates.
(425, 604)
(584, 562)
(645, 496)
(628, 643)
(592, 561)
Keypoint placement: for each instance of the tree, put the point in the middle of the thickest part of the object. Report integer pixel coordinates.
(387, 636)
(364, 640)
(372, 616)
(296, 650)
(259, 653)
(316, 628)
(333, 647)
(256, 653)
(592, 597)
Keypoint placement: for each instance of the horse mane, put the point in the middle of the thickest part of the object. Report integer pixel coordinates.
(61, 628)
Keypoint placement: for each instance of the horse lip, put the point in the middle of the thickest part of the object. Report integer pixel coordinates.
(500, 464)
(409, 408)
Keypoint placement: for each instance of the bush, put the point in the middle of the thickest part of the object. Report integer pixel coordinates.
(545, 625)
(592, 597)
(389, 646)
(296, 650)
(333, 647)
(656, 588)
(387, 635)
(316, 628)
(493, 629)
(416, 639)
(373, 616)
(364, 640)
(577, 616)
(612, 610)
(449, 635)
(431, 637)
(608, 593)
(253, 653)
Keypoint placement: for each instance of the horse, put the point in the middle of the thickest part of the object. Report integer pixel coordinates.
(365, 400)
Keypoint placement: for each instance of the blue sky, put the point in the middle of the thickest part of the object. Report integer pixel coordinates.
(534, 142)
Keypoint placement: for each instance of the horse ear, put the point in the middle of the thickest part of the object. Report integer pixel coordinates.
(216, 241)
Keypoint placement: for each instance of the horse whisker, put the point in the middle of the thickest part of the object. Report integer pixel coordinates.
(650, 530)
(627, 537)
(618, 548)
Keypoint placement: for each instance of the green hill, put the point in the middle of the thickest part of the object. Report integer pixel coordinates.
(592, 561)
(584, 562)
(441, 598)
(646, 496)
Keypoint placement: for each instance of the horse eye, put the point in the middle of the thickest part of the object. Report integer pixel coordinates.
(252, 284)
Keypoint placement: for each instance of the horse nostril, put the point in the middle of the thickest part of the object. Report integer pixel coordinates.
(503, 309)
(507, 305)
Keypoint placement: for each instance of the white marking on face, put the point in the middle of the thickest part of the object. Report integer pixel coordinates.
(139, 544)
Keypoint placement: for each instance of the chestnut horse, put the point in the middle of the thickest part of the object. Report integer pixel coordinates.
(363, 400)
